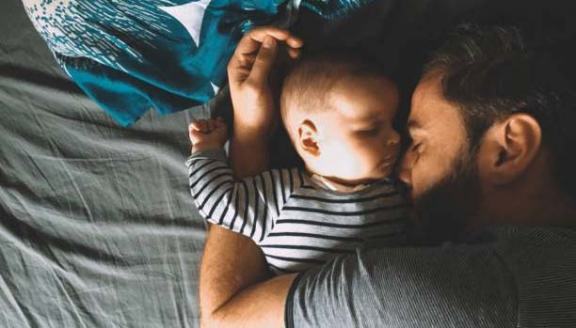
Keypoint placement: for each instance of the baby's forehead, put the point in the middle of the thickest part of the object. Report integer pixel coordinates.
(364, 85)
(364, 97)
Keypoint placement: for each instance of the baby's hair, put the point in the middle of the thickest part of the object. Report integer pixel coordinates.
(308, 83)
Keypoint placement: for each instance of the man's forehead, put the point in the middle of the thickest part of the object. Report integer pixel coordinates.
(429, 108)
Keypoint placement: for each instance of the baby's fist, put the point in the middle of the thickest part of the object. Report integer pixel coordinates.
(207, 134)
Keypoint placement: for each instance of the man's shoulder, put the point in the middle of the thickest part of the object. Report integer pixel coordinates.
(501, 278)
(527, 271)
(530, 251)
(543, 264)
(518, 249)
(446, 286)
(544, 238)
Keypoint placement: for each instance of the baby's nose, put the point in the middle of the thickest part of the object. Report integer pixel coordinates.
(393, 142)
(393, 137)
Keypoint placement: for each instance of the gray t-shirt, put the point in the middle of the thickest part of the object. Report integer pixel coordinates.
(510, 277)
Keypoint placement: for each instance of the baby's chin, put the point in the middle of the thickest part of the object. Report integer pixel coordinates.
(378, 174)
(383, 170)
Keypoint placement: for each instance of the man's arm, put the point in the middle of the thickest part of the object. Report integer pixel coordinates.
(232, 262)
(259, 305)
(224, 274)
(447, 286)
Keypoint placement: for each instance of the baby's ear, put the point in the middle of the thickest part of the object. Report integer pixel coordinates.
(308, 138)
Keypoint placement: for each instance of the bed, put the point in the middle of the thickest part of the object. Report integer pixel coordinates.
(97, 228)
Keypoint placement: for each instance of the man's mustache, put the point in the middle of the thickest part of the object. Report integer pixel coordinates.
(444, 211)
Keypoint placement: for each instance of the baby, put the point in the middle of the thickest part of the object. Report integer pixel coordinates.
(338, 111)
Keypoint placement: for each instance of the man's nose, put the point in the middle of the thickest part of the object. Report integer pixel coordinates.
(405, 173)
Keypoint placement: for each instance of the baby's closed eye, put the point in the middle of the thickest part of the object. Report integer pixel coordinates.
(368, 131)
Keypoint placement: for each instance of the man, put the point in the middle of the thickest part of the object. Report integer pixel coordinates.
(489, 168)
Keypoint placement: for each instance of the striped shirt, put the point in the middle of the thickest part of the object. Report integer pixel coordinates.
(296, 222)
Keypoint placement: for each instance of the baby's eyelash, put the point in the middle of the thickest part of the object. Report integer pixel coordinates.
(368, 131)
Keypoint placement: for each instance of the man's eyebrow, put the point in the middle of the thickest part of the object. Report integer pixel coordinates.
(415, 129)
(413, 125)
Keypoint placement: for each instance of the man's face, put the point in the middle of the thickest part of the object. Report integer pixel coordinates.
(439, 167)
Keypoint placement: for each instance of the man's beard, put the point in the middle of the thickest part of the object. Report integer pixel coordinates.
(445, 211)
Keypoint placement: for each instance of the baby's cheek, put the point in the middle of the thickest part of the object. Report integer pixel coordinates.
(346, 160)
(363, 159)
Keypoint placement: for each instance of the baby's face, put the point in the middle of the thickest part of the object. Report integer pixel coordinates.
(357, 141)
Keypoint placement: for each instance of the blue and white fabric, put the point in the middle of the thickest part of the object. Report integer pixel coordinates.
(131, 56)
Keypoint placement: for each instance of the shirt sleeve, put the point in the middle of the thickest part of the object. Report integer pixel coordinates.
(245, 206)
(405, 287)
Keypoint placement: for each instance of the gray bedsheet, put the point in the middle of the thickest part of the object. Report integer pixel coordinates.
(97, 228)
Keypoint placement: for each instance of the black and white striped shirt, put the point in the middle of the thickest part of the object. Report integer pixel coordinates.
(296, 222)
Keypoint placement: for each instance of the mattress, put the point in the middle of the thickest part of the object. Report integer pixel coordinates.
(97, 228)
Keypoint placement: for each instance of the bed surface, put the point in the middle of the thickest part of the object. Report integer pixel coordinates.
(97, 228)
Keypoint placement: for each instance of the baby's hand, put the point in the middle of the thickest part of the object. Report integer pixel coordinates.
(248, 74)
(207, 134)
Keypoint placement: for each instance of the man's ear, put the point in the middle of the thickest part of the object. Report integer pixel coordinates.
(308, 138)
(510, 146)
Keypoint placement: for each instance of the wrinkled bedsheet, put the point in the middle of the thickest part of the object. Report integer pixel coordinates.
(97, 228)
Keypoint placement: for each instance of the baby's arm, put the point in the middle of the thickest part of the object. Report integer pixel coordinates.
(247, 206)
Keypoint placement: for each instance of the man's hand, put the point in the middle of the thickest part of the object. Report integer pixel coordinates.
(255, 114)
(233, 265)
(207, 134)
(248, 74)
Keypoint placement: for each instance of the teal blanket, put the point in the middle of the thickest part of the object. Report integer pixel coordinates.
(134, 55)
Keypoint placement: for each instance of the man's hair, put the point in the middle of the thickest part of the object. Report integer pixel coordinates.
(308, 83)
(492, 72)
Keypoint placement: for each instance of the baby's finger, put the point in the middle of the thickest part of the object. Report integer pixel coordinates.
(194, 131)
(195, 125)
(195, 136)
(203, 126)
